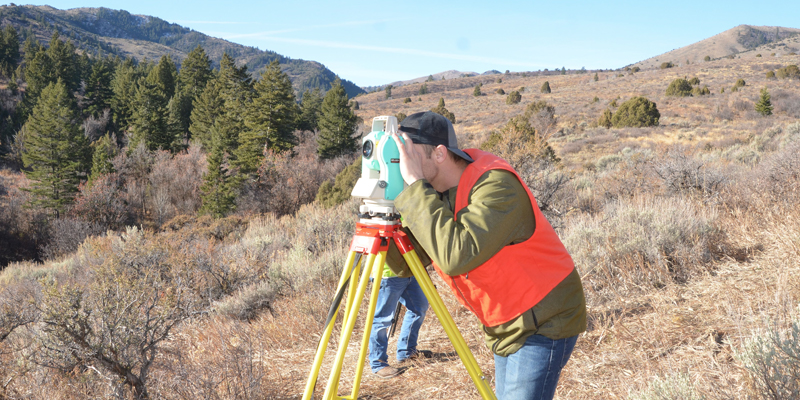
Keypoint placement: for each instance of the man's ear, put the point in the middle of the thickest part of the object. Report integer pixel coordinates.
(440, 153)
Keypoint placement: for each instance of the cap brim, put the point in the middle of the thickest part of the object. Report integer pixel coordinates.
(461, 154)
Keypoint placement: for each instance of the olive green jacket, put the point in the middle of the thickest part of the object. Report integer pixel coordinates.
(498, 214)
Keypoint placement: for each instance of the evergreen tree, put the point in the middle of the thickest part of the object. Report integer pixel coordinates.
(218, 191)
(596, 78)
(9, 51)
(194, 75)
(310, 106)
(150, 118)
(477, 91)
(545, 87)
(270, 119)
(180, 106)
(124, 87)
(206, 109)
(423, 89)
(389, 91)
(167, 75)
(337, 124)
(105, 149)
(98, 87)
(55, 153)
(606, 118)
(441, 110)
(65, 62)
(764, 105)
(195, 72)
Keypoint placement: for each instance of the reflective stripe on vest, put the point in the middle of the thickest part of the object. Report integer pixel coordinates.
(518, 276)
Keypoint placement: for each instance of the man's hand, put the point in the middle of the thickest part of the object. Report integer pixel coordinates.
(411, 158)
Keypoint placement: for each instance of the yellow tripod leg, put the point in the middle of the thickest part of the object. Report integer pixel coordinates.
(336, 371)
(481, 383)
(377, 272)
(326, 335)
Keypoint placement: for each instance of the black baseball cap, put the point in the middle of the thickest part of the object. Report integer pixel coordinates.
(434, 129)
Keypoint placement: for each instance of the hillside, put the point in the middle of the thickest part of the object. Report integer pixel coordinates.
(686, 235)
(733, 42)
(106, 31)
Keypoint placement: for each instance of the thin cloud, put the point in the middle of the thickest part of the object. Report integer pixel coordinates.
(307, 28)
(397, 50)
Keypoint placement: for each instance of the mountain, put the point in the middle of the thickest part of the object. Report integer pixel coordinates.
(743, 40)
(102, 31)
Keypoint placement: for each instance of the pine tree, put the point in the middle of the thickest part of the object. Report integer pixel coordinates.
(423, 89)
(477, 91)
(167, 76)
(764, 105)
(206, 109)
(545, 87)
(98, 87)
(218, 191)
(310, 106)
(270, 120)
(55, 153)
(337, 124)
(389, 91)
(150, 119)
(9, 51)
(194, 75)
(441, 110)
(596, 78)
(105, 149)
(124, 87)
(65, 62)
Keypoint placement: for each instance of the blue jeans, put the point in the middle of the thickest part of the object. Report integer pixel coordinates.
(532, 372)
(408, 292)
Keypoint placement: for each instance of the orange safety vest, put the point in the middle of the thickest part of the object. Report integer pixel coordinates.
(518, 276)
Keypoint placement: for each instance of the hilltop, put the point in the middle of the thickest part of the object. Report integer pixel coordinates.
(741, 41)
(100, 31)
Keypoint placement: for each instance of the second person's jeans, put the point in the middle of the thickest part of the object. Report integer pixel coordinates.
(408, 292)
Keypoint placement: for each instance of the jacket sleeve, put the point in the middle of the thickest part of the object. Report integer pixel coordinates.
(499, 213)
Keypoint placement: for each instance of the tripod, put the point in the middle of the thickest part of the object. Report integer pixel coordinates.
(372, 240)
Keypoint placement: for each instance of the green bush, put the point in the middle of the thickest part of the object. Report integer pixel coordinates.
(674, 387)
(770, 74)
(739, 83)
(679, 87)
(400, 117)
(333, 194)
(596, 78)
(764, 106)
(635, 69)
(500, 91)
(667, 64)
(636, 112)
(423, 89)
(477, 91)
(407, 100)
(694, 81)
(441, 110)
(605, 119)
(707, 58)
(789, 72)
(545, 87)
(513, 97)
(758, 55)
(698, 91)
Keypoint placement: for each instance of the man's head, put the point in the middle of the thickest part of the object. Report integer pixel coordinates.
(431, 129)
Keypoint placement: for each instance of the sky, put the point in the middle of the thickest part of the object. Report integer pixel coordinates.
(373, 43)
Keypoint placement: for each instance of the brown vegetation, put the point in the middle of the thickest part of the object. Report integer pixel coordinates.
(685, 234)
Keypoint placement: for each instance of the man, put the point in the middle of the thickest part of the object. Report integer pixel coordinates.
(488, 240)
(392, 290)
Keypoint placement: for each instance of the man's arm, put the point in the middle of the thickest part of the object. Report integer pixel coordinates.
(499, 214)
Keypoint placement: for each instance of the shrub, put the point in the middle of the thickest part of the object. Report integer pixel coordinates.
(441, 110)
(513, 97)
(330, 195)
(772, 357)
(407, 100)
(667, 64)
(596, 78)
(789, 72)
(635, 69)
(642, 242)
(698, 91)
(707, 58)
(679, 87)
(500, 91)
(694, 81)
(636, 112)
(400, 117)
(545, 87)
(739, 83)
(683, 174)
(354, 105)
(423, 89)
(770, 74)
(673, 387)
(477, 91)
(605, 119)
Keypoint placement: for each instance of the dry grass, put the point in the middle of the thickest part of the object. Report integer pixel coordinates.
(738, 251)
